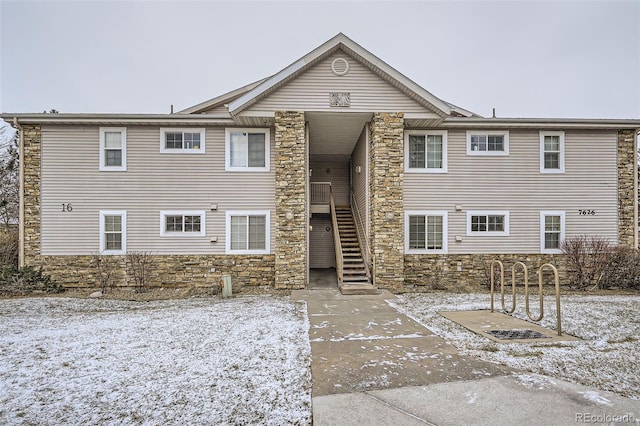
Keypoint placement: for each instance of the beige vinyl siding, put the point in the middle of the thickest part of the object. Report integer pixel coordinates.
(153, 182)
(310, 91)
(217, 110)
(514, 183)
(359, 180)
(337, 174)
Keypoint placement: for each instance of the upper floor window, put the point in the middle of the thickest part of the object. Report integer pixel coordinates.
(425, 151)
(182, 223)
(113, 149)
(552, 231)
(551, 152)
(247, 150)
(489, 223)
(182, 141)
(425, 232)
(487, 143)
(113, 232)
(248, 232)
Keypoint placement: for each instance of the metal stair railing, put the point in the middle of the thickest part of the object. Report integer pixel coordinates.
(336, 238)
(363, 240)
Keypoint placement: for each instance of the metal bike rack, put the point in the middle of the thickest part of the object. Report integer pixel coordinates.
(526, 290)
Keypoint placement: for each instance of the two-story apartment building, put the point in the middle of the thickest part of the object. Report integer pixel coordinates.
(339, 161)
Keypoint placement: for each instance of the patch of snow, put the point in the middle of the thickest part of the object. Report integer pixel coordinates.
(596, 398)
(198, 361)
(604, 359)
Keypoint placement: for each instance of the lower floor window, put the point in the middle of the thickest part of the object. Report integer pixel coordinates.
(426, 232)
(489, 223)
(182, 223)
(247, 232)
(552, 231)
(113, 232)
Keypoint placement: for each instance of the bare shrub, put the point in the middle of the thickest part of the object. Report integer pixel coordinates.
(140, 265)
(9, 246)
(105, 269)
(587, 258)
(623, 268)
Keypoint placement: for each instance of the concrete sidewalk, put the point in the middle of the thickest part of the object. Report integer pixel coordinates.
(372, 365)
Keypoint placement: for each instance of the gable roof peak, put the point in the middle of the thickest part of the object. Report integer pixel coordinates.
(251, 94)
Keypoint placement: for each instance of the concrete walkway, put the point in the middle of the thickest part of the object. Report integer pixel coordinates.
(372, 365)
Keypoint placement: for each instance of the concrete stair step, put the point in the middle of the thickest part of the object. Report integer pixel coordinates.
(357, 289)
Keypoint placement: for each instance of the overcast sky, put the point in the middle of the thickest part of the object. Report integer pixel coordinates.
(526, 59)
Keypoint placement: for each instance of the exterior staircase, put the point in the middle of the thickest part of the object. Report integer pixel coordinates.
(355, 275)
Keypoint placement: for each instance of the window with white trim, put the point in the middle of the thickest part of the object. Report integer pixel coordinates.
(182, 223)
(248, 232)
(247, 150)
(425, 151)
(425, 232)
(113, 232)
(551, 152)
(552, 231)
(488, 223)
(113, 149)
(182, 141)
(487, 143)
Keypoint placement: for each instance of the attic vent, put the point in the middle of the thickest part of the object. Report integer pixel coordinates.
(339, 66)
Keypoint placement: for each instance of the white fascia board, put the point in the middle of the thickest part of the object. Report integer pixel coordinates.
(124, 119)
(547, 123)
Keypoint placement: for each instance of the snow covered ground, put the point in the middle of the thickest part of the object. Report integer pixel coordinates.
(196, 361)
(606, 358)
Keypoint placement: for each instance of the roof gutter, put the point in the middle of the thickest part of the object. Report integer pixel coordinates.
(124, 119)
(549, 123)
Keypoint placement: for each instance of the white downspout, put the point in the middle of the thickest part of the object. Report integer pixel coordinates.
(21, 197)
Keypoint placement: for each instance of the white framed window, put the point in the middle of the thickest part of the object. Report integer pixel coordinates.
(425, 151)
(113, 149)
(425, 232)
(552, 231)
(113, 232)
(551, 152)
(182, 223)
(248, 232)
(182, 141)
(487, 143)
(488, 223)
(247, 150)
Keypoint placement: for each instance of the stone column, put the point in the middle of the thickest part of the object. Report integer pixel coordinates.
(627, 189)
(386, 165)
(31, 157)
(291, 212)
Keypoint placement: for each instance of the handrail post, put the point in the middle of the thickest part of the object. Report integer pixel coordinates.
(493, 262)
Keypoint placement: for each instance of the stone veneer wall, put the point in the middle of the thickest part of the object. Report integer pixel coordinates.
(169, 270)
(31, 138)
(627, 189)
(291, 200)
(440, 272)
(386, 160)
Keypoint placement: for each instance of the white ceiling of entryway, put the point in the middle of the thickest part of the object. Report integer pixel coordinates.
(333, 135)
